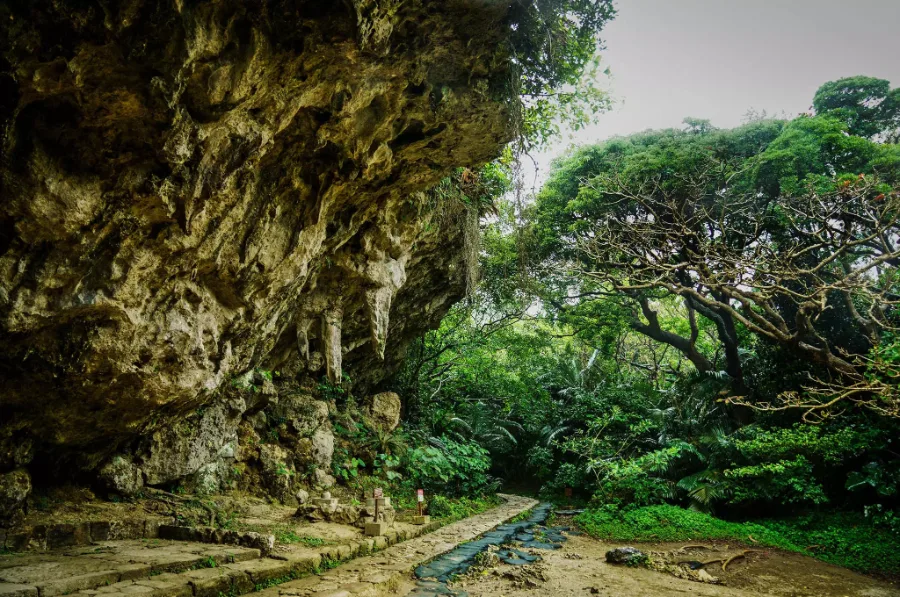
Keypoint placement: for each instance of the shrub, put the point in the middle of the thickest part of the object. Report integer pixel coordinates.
(568, 475)
(451, 468)
(441, 506)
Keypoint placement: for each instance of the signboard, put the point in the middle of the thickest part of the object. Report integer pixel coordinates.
(420, 495)
(568, 492)
(378, 493)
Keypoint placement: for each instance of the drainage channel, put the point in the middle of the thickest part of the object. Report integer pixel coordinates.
(432, 578)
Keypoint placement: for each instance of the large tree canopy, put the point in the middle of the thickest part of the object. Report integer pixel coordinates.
(867, 105)
(786, 231)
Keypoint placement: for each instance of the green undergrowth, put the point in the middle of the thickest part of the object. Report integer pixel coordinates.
(844, 539)
(452, 509)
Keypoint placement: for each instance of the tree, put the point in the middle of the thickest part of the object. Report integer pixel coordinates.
(867, 105)
(555, 45)
(786, 231)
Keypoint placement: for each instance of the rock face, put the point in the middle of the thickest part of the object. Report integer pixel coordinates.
(384, 408)
(14, 488)
(194, 191)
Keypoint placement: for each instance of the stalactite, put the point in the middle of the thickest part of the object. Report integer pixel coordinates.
(303, 338)
(332, 321)
(378, 302)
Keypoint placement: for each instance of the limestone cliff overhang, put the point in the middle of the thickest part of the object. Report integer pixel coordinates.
(192, 190)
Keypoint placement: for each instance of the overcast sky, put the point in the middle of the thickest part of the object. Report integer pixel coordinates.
(716, 59)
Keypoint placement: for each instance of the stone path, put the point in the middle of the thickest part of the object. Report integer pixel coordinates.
(376, 574)
(434, 576)
(158, 568)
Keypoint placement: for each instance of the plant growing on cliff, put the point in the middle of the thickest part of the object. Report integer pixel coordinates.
(554, 44)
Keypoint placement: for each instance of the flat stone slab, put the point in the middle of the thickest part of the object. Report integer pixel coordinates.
(84, 568)
(17, 590)
(376, 529)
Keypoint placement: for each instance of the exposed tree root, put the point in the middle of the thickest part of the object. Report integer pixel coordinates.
(735, 557)
(168, 497)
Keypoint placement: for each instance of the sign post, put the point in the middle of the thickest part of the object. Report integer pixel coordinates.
(420, 518)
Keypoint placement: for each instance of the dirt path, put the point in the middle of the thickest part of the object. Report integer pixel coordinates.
(579, 569)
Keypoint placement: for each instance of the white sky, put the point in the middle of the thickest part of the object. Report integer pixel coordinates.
(715, 59)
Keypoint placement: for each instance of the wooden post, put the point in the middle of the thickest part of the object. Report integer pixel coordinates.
(421, 518)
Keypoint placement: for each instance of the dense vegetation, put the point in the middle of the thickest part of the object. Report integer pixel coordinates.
(698, 318)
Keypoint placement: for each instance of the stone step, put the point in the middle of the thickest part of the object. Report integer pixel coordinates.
(252, 575)
(133, 568)
(71, 534)
(110, 562)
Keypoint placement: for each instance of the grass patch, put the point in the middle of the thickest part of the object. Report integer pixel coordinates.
(289, 536)
(208, 562)
(521, 516)
(326, 564)
(845, 539)
(272, 582)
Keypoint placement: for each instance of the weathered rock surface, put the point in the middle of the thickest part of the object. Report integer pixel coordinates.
(122, 476)
(384, 408)
(625, 555)
(196, 191)
(181, 449)
(14, 488)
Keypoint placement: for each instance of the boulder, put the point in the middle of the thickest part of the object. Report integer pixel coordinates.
(346, 515)
(323, 479)
(182, 449)
(384, 409)
(302, 496)
(15, 487)
(303, 414)
(276, 472)
(263, 542)
(322, 448)
(310, 512)
(626, 555)
(121, 476)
